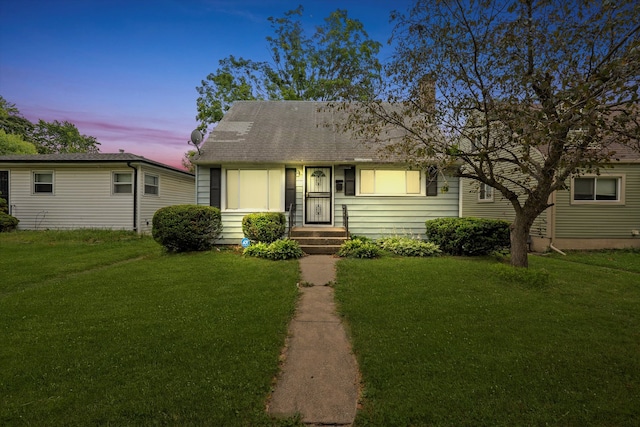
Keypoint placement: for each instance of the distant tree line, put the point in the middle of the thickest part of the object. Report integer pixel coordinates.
(20, 136)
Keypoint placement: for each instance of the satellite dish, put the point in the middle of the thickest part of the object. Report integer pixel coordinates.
(196, 137)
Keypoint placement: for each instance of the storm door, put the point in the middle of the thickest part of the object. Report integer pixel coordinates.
(318, 195)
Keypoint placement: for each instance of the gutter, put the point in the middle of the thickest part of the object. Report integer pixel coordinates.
(135, 196)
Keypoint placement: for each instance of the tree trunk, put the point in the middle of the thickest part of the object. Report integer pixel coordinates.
(520, 242)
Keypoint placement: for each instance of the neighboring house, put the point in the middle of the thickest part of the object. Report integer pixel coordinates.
(284, 156)
(82, 190)
(595, 212)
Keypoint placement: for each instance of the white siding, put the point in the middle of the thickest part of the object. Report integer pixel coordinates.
(379, 216)
(371, 216)
(82, 198)
(174, 189)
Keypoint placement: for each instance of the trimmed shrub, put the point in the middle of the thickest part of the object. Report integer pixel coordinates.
(285, 249)
(468, 236)
(357, 248)
(4, 207)
(280, 249)
(406, 246)
(183, 228)
(7, 222)
(258, 250)
(264, 227)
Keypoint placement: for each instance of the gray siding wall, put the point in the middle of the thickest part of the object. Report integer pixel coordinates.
(601, 220)
(499, 208)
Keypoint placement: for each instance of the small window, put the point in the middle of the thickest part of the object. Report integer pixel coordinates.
(43, 182)
(485, 193)
(122, 183)
(596, 189)
(151, 184)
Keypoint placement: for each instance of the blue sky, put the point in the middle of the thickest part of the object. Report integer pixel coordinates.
(125, 71)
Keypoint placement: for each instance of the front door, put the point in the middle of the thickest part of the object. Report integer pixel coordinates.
(318, 195)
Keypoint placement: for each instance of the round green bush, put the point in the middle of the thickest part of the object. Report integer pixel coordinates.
(8, 222)
(183, 228)
(468, 236)
(264, 227)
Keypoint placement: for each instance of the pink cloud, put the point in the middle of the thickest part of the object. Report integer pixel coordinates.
(164, 141)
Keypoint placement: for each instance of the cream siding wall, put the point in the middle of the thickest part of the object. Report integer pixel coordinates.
(601, 220)
(173, 189)
(82, 198)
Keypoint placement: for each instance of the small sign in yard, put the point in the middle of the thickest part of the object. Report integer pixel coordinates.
(245, 242)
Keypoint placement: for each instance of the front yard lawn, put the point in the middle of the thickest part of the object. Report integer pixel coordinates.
(109, 330)
(453, 341)
(103, 328)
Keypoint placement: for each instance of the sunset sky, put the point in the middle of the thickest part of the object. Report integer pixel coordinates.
(125, 71)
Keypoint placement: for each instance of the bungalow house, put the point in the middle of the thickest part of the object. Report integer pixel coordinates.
(84, 190)
(287, 156)
(596, 211)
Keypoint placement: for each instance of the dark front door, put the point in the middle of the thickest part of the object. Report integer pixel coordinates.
(4, 187)
(318, 195)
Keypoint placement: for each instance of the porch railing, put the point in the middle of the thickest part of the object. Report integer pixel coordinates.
(345, 219)
(292, 218)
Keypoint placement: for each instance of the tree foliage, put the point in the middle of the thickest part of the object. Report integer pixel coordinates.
(339, 61)
(62, 137)
(12, 122)
(14, 144)
(529, 94)
(46, 137)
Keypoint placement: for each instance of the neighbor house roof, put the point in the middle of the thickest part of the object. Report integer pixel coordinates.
(78, 158)
(284, 131)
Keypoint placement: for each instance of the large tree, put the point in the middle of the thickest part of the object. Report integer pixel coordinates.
(528, 94)
(338, 62)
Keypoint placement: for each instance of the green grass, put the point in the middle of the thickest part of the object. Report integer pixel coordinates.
(624, 259)
(110, 330)
(451, 341)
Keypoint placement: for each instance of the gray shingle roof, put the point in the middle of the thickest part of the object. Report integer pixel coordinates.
(282, 131)
(84, 158)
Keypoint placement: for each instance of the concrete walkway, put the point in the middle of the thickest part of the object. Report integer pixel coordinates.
(319, 377)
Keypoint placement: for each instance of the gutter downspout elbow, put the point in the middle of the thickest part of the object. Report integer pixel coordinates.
(135, 196)
(556, 249)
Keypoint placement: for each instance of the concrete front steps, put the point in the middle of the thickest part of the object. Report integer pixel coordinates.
(319, 240)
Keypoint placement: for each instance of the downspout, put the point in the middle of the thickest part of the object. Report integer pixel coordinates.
(553, 225)
(135, 196)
